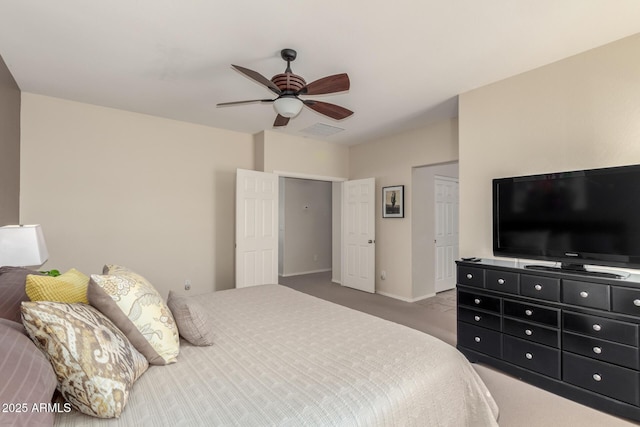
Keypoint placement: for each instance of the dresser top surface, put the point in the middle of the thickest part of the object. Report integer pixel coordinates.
(628, 279)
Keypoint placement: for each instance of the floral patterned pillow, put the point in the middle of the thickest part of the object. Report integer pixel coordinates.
(134, 305)
(94, 363)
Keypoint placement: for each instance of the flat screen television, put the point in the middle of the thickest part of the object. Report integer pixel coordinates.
(575, 218)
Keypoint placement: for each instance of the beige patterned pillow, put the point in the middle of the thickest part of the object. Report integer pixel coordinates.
(94, 362)
(191, 318)
(134, 305)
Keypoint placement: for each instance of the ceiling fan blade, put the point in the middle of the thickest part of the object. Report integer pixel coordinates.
(222, 104)
(254, 75)
(281, 121)
(329, 84)
(332, 110)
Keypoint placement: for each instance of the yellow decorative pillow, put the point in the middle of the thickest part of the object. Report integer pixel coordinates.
(70, 287)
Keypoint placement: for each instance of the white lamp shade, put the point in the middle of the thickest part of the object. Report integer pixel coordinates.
(22, 246)
(288, 106)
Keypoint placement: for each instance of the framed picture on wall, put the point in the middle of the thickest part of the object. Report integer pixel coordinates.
(393, 201)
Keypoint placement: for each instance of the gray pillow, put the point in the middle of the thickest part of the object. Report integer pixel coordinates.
(27, 378)
(191, 318)
(12, 291)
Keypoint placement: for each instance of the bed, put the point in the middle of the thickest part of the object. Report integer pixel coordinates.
(283, 358)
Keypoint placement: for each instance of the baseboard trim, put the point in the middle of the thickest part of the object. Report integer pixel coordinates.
(324, 270)
(423, 297)
(398, 297)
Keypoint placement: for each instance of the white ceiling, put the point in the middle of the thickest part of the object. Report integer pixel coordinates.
(407, 59)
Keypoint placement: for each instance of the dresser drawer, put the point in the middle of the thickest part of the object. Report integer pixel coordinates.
(532, 313)
(586, 294)
(599, 327)
(536, 357)
(532, 332)
(546, 288)
(470, 276)
(480, 318)
(601, 377)
(502, 281)
(480, 339)
(619, 354)
(625, 300)
(479, 301)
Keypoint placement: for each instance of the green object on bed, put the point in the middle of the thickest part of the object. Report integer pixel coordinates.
(52, 273)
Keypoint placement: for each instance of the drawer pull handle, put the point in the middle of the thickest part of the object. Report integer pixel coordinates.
(584, 294)
(597, 327)
(528, 356)
(528, 332)
(636, 302)
(500, 281)
(477, 339)
(477, 301)
(469, 276)
(597, 377)
(477, 318)
(528, 312)
(538, 287)
(597, 350)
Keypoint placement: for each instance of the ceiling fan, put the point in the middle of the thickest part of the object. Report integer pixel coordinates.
(289, 87)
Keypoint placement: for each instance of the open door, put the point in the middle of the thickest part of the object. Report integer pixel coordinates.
(256, 228)
(358, 247)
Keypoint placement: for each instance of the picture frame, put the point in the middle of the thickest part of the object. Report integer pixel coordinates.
(393, 201)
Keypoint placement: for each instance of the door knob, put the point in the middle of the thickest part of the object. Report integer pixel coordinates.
(371, 241)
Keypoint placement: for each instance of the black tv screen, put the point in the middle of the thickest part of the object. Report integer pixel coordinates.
(576, 218)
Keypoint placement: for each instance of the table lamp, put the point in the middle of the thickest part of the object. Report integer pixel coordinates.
(22, 246)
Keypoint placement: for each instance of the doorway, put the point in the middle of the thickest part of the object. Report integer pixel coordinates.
(324, 226)
(423, 225)
(257, 221)
(305, 224)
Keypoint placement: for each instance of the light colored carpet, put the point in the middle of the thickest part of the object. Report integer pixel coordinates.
(521, 405)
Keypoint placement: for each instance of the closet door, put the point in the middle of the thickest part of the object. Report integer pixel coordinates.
(446, 232)
(256, 228)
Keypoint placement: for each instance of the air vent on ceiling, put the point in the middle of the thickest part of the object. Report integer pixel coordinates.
(320, 129)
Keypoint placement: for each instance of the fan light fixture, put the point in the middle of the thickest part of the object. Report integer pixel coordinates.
(287, 106)
(287, 86)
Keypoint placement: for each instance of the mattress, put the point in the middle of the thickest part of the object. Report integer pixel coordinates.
(284, 358)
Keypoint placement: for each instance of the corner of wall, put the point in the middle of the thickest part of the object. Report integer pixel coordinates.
(259, 150)
(10, 110)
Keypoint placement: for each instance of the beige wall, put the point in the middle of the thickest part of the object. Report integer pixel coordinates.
(390, 161)
(110, 186)
(9, 147)
(581, 112)
(280, 152)
(157, 195)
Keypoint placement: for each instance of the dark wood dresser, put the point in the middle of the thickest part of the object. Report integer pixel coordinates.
(571, 334)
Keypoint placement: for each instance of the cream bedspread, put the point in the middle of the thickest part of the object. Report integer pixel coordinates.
(284, 358)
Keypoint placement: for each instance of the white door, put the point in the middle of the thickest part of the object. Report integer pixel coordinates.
(256, 228)
(446, 232)
(359, 250)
